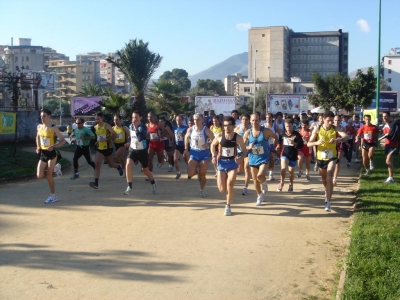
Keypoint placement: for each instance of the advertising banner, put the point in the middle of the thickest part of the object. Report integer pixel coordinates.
(387, 102)
(372, 113)
(47, 82)
(220, 105)
(285, 103)
(82, 106)
(8, 122)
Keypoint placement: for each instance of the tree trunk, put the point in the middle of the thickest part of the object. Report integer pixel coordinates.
(139, 104)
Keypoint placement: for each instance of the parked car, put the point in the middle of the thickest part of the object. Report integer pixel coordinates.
(63, 127)
(89, 124)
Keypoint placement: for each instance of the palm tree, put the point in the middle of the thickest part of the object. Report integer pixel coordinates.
(138, 64)
(115, 103)
(91, 90)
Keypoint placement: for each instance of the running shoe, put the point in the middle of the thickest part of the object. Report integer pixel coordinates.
(75, 176)
(308, 177)
(299, 174)
(154, 187)
(348, 164)
(356, 161)
(260, 200)
(264, 187)
(290, 189)
(128, 191)
(271, 178)
(315, 167)
(120, 170)
(94, 185)
(389, 180)
(51, 199)
(371, 165)
(326, 199)
(227, 210)
(367, 172)
(170, 168)
(244, 191)
(178, 175)
(280, 187)
(328, 206)
(334, 182)
(202, 194)
(159, 165)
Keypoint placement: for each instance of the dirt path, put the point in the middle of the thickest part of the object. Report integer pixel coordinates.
(100, 244)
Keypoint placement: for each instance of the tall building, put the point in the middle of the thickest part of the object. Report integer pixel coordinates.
(391, 69)
(280, 53)
(229, 83)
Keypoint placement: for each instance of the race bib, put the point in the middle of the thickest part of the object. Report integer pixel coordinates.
(228, 151)
(79, 142)
(44, 141)
(288, 141)
(367, 136)
(153, 136)
(179, 137)
(271, 141)
(99, 136)
(257, 150)
(119, 136)
(326, 154)
(194, 143)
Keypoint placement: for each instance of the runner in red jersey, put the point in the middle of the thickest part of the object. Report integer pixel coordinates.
(391, 146)
(368, 134)
(306, 151)
(349, 145)
(156, 145)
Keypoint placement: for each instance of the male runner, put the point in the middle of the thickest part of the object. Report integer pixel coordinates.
(227, 159)
(156, 145)
(45, 146)
(138, 152)
(200, 137)
(304, 152)
(165, 133)
(241, 129)
(391, 145)
(179, 133)
(83, 136)
(275, 129)
(105, 134)
(122, 136)
(256, 140)
(325, 139)
(357, 125)
(368, 133)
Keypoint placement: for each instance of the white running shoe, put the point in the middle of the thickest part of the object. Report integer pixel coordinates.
(202, 194)
(51, 199)
(128, 191)
(328, 206)
(159, 165)
(154, 187)
(57, 170)
(389, 180)
(260, 200)
(170, 168)
(371, 165)
(356, 161)
(227, 211)
(264, 187)
(244, 191)
(308, 176)
(271, 178)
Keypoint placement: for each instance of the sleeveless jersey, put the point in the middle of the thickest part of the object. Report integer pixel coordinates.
(241, 133)
(179, 133)
(120, 134)
(216, 130)
(198, 139)
(102, 132)
(271, 141)
(305, 134)
(135, 133)
(153, 132)
(227, 148)
(259, 154)
(388, 142)
(326, 151)
(46, 137)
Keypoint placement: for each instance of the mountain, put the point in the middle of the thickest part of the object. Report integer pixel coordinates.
(364, 70)
(234, 64)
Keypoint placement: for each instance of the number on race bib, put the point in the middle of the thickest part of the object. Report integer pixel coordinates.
(326, 154)
(287, 141)
(100, 136)
(227, 151)
(44, 141)
(79, 142)
(367, 136)
(257, 150)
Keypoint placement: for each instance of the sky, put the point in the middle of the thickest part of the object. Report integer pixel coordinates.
(195, 35)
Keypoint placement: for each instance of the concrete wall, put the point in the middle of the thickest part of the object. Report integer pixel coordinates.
(27, 122)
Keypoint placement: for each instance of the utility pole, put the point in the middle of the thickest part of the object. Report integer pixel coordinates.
(378, 77)
(254, 104)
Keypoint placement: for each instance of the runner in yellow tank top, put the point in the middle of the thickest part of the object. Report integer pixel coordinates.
(121, 142)
(325, 138)
(45, 147)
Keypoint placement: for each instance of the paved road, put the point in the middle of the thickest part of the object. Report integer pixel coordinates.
(100, 244)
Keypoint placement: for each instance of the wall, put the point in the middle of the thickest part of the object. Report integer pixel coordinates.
(27, 122)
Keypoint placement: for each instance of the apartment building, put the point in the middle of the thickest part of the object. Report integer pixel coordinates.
(229, 83)
(391, 69)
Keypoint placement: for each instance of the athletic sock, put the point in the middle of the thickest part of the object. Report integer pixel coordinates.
(130, 184)
(96, 181)
(153, 181)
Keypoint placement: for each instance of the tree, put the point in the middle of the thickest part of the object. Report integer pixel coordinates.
(331, 91)
(208, 87)
(362, 88)
(385, 86)
(165, 97)
(91, 90)
(54, 106)
(138, 64)
(115, 103)
(179, 76)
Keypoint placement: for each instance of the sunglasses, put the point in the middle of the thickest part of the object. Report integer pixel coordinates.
(226, 125)
(78, 123)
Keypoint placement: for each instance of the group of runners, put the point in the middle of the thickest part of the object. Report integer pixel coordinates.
(234, 144)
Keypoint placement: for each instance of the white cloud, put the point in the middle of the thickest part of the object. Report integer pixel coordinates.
(363, 25)
(243, 26)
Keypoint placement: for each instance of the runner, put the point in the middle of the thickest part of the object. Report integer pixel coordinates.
(83, 136)
(338, 125)
(369, 133)
(304, 152)
(138, 152)
(122, 136)
(186, 154)
(290, 141)
(241, 129)
(314, 124)
(216, 128)
(357, 145)
(200, 136)
(165, 133)
(391, 146)
(45, 147)
(156, 146)
(269, 123)
(325, 139)
(256, 140)
(179, 132)
(227, 143)
(349, 145)
(105, 134)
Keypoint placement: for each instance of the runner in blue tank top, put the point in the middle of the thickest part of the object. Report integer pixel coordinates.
(256, 140)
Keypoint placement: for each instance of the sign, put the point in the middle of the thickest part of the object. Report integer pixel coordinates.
(185, 99)
(8, 121)
(47, 82)
(372, 113)
(285, 103)
(387, 102)
(82, 106)
(220, 105)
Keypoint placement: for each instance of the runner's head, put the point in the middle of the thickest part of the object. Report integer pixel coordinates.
(269, 118)
(79, 123)
(99, 118)
(161, 122)
(229, 124)
(386, 117)
(245, 120)
(289, 125)
(278, 117)
(350, 122)
(367, 119)
(336, 120)
(320, 119)
(179, 120)
(45, 115)
(136, 118)
(216, 121)
(151, 117)
(198, 120)
(328, 119)
(255, 121)
(235, 114)
(304, 124)
(117, 120)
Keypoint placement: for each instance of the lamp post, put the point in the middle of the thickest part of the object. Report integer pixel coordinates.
(254, 104)
(378, 77)
(269, 81)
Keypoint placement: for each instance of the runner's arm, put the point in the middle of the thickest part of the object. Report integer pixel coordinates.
(113, 135)
(187, 137)
(215, 144)
(312, 141)
(58, 133)
(240, 142)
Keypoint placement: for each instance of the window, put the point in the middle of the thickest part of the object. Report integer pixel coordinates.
(389, 71)
(27, 58)
(309, 90)
(247, 90)
(389, 62)
(345, 48)
(389, 80)
(263, 35)
(16, 59)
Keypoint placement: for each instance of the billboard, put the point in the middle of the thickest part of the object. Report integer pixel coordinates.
(82, 106)
(285, 103)
(8, 121)
(220, 105)
(47, 82)
(387, 102)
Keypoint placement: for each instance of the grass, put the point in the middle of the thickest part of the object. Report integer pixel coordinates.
(21, 165)
(373, 263)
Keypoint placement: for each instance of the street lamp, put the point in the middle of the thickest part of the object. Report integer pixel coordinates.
(254, 104)
(269, 81)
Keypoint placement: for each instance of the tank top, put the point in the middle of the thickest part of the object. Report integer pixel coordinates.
(180, 133)
(46, 137)
(120, 134)
(153, 132)
(326, 151)
(135, 143)
(198, 139)
(228, 147)
(216, 130)
(102, 132)
(260, 152)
